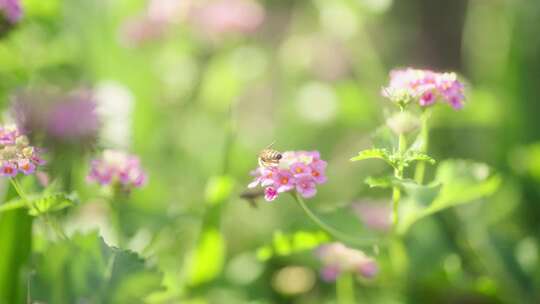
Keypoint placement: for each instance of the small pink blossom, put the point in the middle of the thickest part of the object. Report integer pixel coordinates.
(270, 193)
(318, 167)
(298, 171)
(283, 180)
(117, 167)
(305, 186)
(8, 169)
(300, 168)
(337, 258)
(26, 166)
(426, 86)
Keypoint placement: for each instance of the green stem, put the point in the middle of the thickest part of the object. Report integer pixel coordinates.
(398, 173)
(116, 206)
(329, 229)
(424, 137)
(12, 206)
(345, 289)
(18, 188)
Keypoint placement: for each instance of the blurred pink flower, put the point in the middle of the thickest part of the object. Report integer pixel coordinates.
(218, 17)
(376, 216)
(154, 22)
(139, 30)
(300, 171)
(426, 86)
(62, 117)
(11, 10)
(16, 155)
(117, 167)
(337, 258)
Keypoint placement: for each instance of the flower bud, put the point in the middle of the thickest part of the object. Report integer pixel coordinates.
(402, 123)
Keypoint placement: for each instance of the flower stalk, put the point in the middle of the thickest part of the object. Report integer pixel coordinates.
(329, 229)
(398, 173)
(345, 289)
(424, 138)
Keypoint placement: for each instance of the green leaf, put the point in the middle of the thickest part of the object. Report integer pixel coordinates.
(91, 272)
(423, 194)
(377, 154)
(380, 182)
(413, 155)
(462, 182)
(12, 205)
(50, 203)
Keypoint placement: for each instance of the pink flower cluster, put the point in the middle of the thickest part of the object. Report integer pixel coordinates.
(11, 10)
(16, 155)
(426, 86)
(297, 170)
(117, 167)
(338, 258)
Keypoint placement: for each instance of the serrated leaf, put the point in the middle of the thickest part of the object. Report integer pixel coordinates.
(375, 154)
(413, 155)
(50, 203)
(91, 272)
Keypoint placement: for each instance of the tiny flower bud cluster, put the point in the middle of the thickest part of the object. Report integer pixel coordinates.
(16, 155)
(338, 258)
(424, 85)
(297, 170)
(117, 167)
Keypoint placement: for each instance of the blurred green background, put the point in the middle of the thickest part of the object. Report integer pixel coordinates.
(197, 101)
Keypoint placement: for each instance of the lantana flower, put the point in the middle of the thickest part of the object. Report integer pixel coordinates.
(117, 167)
(425, 86)
(299, 171)
(338, 259)
(16, 154)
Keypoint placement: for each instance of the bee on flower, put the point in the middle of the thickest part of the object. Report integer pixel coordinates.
(117, 167)
(299, 171)
(16, 154)
(338, 259)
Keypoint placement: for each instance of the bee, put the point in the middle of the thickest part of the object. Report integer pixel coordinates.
(269, 157)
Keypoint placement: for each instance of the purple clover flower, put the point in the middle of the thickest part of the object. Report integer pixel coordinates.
(16, 155)
(337, 258)
(117, 167)
(426, 86)
(299, 171)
